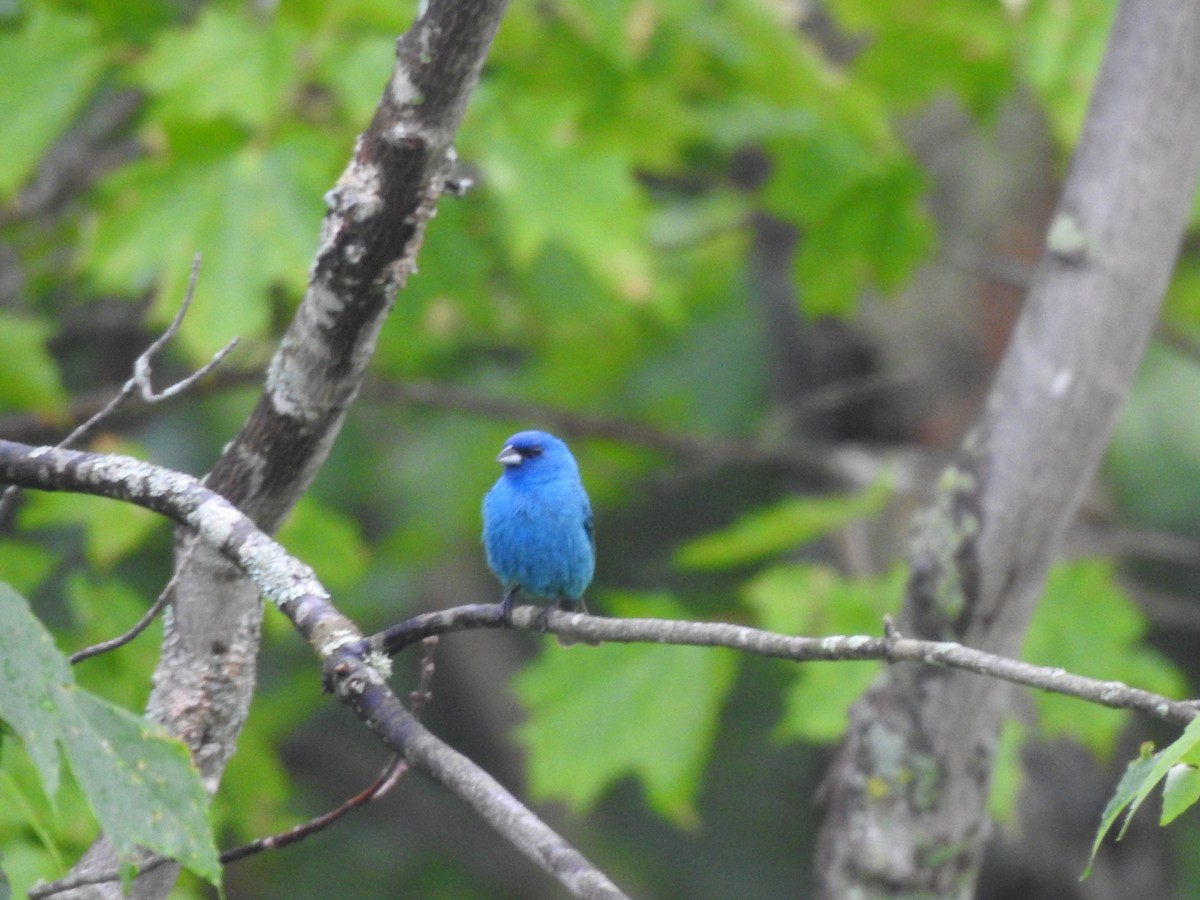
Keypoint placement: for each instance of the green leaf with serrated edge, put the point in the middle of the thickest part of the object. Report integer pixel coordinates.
(597, 714)
(33, 673)
(1181, 790)
(251, 210)
(781, 527)
(222, 64)
(527, 152)
(48, 68)
(1140, 778)
(140, 784)
(1086, 624)
(28, 374)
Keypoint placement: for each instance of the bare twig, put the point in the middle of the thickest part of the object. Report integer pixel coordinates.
(150, 615)
(139, 382)
(74, 881)
(376, 788)
(391, 774)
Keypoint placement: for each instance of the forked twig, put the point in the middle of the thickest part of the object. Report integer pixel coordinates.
(139, 383)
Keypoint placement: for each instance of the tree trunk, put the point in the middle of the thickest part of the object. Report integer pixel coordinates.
(906, 793)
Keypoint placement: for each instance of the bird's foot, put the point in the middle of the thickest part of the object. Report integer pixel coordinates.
(506, 606)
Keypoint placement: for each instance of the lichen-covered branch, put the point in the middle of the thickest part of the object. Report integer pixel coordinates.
(353, 675)
(377, 213)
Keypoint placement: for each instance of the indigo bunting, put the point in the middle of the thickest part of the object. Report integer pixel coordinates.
(537, 523)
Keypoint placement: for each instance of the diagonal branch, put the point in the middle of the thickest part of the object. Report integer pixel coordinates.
(374, 225)
(357, 678)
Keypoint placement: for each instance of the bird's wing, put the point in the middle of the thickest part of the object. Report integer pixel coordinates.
(587, 524)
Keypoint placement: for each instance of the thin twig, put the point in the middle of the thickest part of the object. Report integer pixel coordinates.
(150, 615)
(391, 774)
(138, 382)
(84, 879)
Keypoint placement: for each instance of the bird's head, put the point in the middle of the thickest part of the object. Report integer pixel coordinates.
(529, 452)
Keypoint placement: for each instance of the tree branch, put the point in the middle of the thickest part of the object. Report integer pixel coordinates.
(374, 225)
(889, 648)
(981, 551)
(357, 678)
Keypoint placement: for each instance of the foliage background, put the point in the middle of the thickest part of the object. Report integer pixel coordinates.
(728, 220)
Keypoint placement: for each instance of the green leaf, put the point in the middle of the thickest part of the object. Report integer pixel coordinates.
(1085, 624)
(917, 50)
(48, 68)
(1061, 49)
(34, 675)
(780, 528)
(599, 713)
(358, 70)
(1140, 778)
(807, 599)
(111, 531)
(25, 565)
(327, 540)
(140, 783)
(1154, 456)
(1129, 789)
(223, 64)
(874, 236)
(28, 374)
(550, 187)
(251, 210)
(1007, 771)
(1181, 790)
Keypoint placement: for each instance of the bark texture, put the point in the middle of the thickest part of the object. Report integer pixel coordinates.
(369, 239)
(906, 792)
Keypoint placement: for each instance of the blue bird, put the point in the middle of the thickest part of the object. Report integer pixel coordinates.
(537, 523)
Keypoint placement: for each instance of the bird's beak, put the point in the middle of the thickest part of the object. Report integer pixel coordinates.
(509, 457)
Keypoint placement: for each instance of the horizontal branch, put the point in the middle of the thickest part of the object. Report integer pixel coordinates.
(352, 662)
(892, 648)
(357, 679)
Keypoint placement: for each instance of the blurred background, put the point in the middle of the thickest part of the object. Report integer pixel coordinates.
(755, 260)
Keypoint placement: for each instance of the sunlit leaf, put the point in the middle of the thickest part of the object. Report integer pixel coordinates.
(1141, 777)
(815, 600)
(1181, 790)
(250, 210)
(223, 63)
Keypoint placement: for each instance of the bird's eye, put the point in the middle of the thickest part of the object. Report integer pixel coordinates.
(535, 450)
